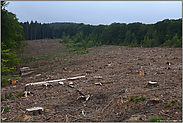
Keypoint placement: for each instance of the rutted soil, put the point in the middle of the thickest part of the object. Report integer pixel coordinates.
(112, 80)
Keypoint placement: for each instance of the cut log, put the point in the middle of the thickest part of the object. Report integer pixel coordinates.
(61, 83)
(153, 84)
(97, 77)
(71, 83)
(35, 111)
(23, 74)
(98, 83)
(25, 71)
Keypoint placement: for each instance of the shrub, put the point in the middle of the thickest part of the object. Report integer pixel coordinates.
(179, 107)
(168, 105)
(132, 99)
(143, 97)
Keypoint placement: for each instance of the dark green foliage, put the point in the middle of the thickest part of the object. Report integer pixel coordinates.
(179, 107)
(163, 33)
(143, 98)
(173, 101)
(168, 105)
(11, 37)
(131, 99)
(6, 109)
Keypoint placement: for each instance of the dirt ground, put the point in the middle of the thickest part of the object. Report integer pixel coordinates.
(111, 80)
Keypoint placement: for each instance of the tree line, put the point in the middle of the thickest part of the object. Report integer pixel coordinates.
(163, 33)
(11, 42)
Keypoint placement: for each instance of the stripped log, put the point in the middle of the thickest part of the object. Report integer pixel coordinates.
(74, 78)
(153, 84)
(44, 82)
(25, 71)
(35, 111)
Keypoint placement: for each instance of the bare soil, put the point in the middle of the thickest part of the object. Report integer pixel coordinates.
(117, 91)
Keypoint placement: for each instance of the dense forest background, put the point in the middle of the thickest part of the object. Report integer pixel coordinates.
(163, 33)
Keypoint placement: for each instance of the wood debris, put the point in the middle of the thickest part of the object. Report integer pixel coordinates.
(98, 83)
(44, 82)
(153, 84)
(25, 71)
(35, 111)
(142, 72)
(13, 81)
(74, 78)
(61, 83)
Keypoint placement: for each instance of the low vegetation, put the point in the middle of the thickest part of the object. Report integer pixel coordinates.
(155, 119)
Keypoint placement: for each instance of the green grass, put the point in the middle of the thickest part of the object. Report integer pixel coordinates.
(8, 97)
(19, 95)
(80, 116)
(169, 104)
(61, 55)
(136, 99)
(7, 109)
(34, 59)
(140, 58)
(155, 119)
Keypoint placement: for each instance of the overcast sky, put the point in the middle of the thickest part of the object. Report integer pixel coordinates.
(96, 12)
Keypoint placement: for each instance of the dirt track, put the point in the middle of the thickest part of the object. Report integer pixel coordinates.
(112, 80)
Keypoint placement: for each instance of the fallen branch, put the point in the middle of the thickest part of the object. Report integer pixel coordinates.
(45, 82)
(66, 118)
(2, 111)
(159, 89)
(73, 78)
(165, 114)
(107, 105)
